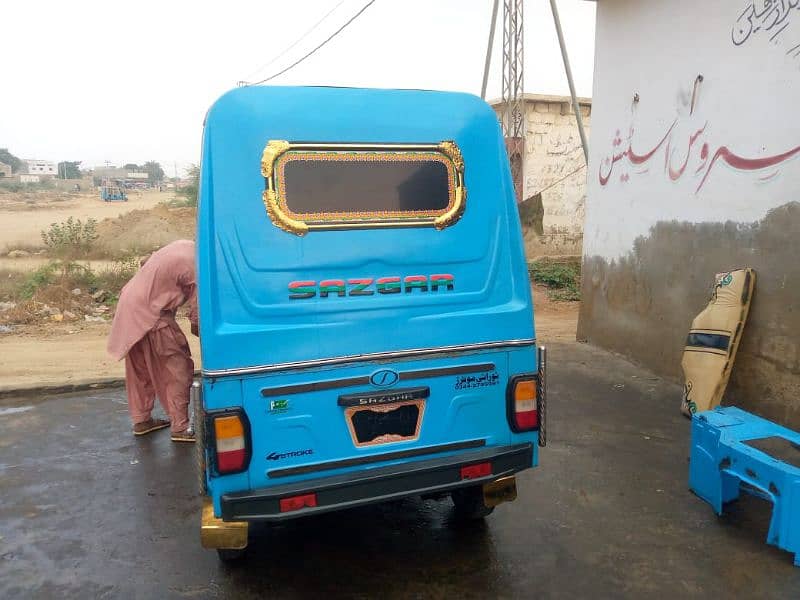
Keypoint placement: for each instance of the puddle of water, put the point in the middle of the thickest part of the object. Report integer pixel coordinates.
(14, 410)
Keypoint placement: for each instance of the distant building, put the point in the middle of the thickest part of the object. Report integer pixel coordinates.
(555, 174)
(23, 178)
(124, 176)
(5, 170)
(109, 172)
(41, 167)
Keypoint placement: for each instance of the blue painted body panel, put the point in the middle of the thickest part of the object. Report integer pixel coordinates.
(245, 264)
(721, 461)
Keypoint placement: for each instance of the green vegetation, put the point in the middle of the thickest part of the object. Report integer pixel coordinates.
(41, 277)
(70, 239)
(155, 174)
(68, 275)
(116, 276)
(53, 287)
(11, 160)
(69, 169)
(562, 278)
(189, 192)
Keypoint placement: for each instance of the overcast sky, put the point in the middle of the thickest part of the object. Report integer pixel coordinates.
(131, 81)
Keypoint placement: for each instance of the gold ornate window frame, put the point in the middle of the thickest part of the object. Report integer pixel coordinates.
(277, 153)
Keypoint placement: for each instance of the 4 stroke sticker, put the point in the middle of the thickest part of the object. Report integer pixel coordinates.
(292, 454)
(468, 382)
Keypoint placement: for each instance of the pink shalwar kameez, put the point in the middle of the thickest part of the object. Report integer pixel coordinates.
(158, 361)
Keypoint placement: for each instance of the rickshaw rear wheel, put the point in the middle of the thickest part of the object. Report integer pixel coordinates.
(230, 555)
(469, 505)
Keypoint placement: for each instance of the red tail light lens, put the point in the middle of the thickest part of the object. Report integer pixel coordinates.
(522, 413)
(297, 502)
(230, 436)
(476, 471)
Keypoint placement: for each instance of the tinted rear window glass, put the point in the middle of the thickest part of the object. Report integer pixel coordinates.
(320, 186)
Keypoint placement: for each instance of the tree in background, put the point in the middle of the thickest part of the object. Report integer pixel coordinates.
(189, 191)
(69, 169)
(155, 174)
(15, 163)
(131, 167)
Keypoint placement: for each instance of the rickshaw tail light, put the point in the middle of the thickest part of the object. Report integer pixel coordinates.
(483, 469)
(228, 462)
(231, 448)
(523, 415)
(297, 502)
(228, 427)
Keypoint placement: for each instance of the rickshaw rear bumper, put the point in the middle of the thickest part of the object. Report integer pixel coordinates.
(358, 488)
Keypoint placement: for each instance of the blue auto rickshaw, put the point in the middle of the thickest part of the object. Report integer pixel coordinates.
(366, 320)
(113, 193)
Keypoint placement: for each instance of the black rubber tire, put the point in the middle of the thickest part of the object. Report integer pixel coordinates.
(469, 504)
(231, 556)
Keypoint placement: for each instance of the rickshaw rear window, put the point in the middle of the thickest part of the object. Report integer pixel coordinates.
(332, 186)
(316, 186)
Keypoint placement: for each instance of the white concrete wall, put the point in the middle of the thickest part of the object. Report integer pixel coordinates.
(745, 111)
(554, 167)
(554, 163)
(696, 178)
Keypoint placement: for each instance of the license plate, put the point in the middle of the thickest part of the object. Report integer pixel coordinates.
(499, 491)
(382, 424)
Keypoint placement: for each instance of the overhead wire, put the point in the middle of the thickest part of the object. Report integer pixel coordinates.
(333, 35)
(557, 181)
(297, 41)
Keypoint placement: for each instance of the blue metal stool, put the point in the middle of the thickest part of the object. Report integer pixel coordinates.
(731, 447)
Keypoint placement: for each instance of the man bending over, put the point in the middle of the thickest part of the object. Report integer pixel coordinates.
(158, 361)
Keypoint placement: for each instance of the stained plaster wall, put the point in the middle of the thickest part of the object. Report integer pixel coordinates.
(700, 175)
(555, 175)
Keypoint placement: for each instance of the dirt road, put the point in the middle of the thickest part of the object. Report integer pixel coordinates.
(62, 354)
(21, 225)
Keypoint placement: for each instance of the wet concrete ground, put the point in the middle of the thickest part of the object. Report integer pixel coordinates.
(87, 511)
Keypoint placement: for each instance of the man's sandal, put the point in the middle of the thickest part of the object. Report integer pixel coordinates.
(149, 426)
(187, 435)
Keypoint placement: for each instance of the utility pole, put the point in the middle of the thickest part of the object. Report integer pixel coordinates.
(488, 62)
(513, 118)
(568, 71)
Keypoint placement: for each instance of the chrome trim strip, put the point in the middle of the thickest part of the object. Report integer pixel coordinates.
(318, 386)
(375, 356)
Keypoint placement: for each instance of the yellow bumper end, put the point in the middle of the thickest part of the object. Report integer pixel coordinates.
(216, 533)
(500, 490)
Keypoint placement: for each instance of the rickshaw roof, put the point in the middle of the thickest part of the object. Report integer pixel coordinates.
(349, 114)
